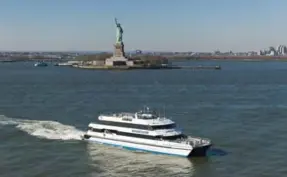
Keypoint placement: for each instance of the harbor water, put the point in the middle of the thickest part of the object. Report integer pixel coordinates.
(242, 108)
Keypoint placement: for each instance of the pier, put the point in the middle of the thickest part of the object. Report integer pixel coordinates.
(201, 67)
(95, 67)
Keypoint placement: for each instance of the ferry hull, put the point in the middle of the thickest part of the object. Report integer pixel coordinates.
(149, 148)
(200, 151)
(41, 64)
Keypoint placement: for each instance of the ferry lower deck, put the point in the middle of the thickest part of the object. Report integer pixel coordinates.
(157, 147)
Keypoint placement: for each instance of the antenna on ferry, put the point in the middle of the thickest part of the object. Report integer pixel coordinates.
(164, 111)
(143, 109)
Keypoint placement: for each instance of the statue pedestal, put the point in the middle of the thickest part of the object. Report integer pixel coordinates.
(118, 59)
(119, 50)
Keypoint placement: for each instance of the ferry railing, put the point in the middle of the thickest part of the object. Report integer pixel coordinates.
(198, 141)
(119, 115)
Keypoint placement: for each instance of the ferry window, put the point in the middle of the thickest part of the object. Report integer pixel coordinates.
(123, 124)
(174, 137)
(96, 130)
(136, 135)
(113, 131)
(147, 117)
(169, 126)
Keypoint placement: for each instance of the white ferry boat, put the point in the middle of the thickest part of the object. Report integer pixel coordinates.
(43, 64)
(145, 131)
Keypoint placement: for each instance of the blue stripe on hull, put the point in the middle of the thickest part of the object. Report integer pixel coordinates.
(137, 149)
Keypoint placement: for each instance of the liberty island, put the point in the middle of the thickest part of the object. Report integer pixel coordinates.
(118, 60)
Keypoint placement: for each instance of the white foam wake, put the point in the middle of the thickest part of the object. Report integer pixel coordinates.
(117, 162)
(44, 129)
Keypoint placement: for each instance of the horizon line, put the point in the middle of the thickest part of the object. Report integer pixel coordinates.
(110, 51)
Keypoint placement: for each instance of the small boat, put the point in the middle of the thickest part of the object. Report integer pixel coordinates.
(41, 64)
(147, 131)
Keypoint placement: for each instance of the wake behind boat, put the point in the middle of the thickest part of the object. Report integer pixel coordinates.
(145, 131)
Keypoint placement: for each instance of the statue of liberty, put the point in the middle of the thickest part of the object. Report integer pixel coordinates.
(120, 31)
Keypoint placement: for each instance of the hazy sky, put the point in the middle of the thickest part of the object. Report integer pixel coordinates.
(177, 25)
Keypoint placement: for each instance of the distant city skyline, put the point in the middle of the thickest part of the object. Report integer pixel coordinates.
(183, 25)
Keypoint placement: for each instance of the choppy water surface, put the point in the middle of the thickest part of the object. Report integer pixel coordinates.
(242, 108)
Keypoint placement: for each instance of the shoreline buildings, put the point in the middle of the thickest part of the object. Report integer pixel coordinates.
(281, 50)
